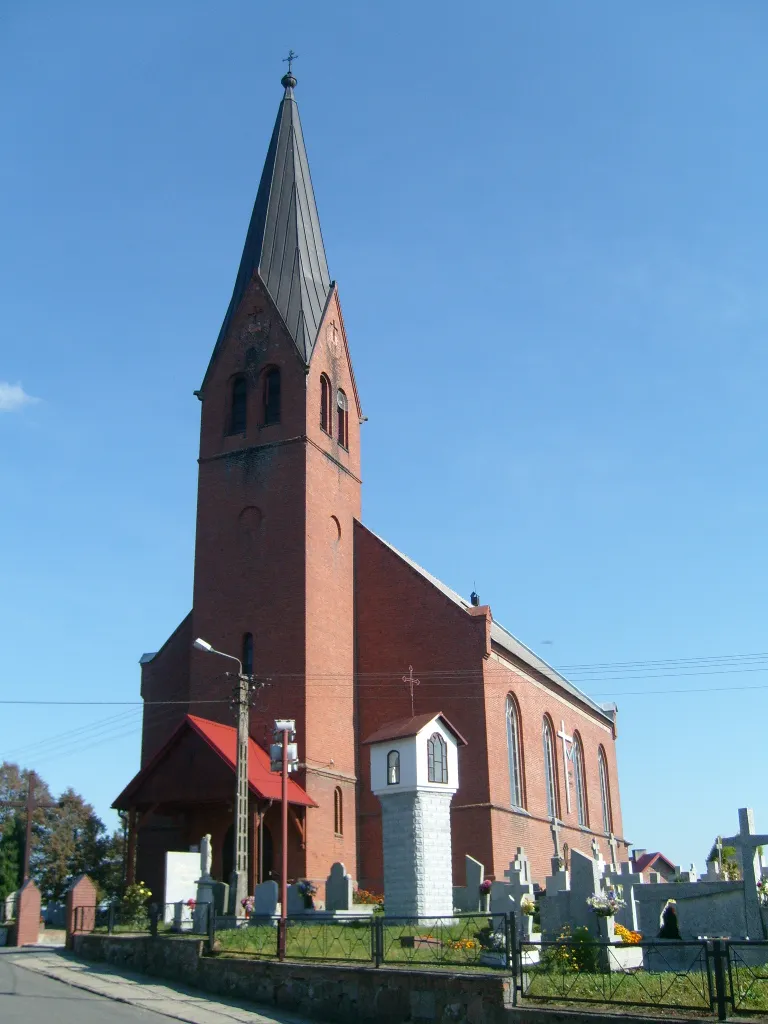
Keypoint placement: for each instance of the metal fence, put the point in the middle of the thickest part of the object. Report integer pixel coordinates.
(155, 919)
(459, 940)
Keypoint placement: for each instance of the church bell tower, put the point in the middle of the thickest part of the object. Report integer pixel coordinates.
(278, 492)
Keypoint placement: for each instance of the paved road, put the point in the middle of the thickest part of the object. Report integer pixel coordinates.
(38, 986)
(27, 997)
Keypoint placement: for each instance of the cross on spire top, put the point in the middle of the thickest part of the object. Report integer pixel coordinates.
(290, 59)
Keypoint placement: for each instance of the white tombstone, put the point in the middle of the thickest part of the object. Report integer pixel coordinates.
(415, 773)
(182, 870)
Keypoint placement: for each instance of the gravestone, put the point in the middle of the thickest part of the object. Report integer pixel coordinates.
(9, 906)
(265, 899)
(624, 881)
(339, 888)
(295, 901)
(182, 871)
(554, 906)
(507, 896)
(467, 897)
(747, 843)
(586, 881)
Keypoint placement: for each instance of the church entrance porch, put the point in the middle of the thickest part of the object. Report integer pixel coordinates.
(187, 790)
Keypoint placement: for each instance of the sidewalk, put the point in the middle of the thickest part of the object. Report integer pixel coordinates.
(177, 1001)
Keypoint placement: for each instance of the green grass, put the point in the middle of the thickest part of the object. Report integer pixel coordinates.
(641, 987)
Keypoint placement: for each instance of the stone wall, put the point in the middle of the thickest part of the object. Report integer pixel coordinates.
(325, 992)
(418, 877)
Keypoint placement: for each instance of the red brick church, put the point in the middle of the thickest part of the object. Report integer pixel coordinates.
(331, 616)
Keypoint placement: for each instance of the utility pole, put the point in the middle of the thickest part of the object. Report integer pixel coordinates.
(242, 698)
(31, 806)
(284, 758)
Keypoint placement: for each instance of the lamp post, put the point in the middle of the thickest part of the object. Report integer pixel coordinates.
(284, 758)
(238, 888)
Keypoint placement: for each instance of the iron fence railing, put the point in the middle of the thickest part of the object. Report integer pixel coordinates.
(155, 918)
(747, 975)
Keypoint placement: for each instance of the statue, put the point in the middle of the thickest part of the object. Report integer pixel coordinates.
(206, 856)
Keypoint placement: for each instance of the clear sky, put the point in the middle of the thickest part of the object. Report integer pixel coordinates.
(549, 228)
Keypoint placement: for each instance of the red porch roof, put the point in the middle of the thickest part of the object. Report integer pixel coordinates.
(222, 739)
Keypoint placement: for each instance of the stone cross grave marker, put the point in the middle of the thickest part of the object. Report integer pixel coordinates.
(614, 848)
(339, 888)
(747, 842)
(518, 886)
(624, 881)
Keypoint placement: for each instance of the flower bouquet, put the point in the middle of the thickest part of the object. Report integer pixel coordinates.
(247, 905)
(762, 891)
(605, 904)
(528, 906)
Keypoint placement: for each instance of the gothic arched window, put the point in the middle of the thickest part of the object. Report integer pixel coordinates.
(325, 403)
(437, 758)
(238, 411)
(342, 408)
(605, 792)
(393, 768)
(247, 658)
(577, 754)
(338, 812)
(550, 767)
(271, 396)
(514, 753)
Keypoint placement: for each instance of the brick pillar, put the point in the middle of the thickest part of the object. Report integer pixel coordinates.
(28, 915)
(82, 899)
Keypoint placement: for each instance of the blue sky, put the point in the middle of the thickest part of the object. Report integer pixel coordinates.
(549, 229)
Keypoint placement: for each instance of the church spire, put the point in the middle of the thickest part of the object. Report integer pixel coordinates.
(284, 244)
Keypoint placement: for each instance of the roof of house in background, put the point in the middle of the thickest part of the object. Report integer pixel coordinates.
(647, 860)
(405, 727)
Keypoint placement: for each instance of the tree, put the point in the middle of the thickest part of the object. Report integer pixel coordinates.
(730, 869)
(68, 839)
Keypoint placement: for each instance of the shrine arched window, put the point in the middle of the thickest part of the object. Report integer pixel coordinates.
(605, 791)
(515, 753)
(247, 658)
(437, 758)
(238, 408)
(393, 768)
(338, 812)
(271, 397)
(325, 403)
(342, 412)
(577, 754)
(550, 767)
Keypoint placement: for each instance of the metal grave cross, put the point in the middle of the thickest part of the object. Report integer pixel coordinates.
(411, 681)
(563, 735)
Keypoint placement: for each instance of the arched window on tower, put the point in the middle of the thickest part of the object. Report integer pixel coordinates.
(393, 768)
(325, 403)
(437, 758)
(550, 767)
(577, 755)
(342, 408)
(605, 791)
(271, 396)
(338, 812)
(514, 753)
(247, 658)
(238, 410)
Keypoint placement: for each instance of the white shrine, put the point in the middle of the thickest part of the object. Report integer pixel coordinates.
(415, 773)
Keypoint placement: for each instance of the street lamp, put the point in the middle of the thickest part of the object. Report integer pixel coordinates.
(238, 888)
(284, 758)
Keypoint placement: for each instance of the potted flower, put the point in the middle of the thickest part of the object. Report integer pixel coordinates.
(247, 905)
(485, 894)
(307, 891)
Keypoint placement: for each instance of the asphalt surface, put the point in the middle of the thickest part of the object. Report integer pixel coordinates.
(32, 998)
(43, 984)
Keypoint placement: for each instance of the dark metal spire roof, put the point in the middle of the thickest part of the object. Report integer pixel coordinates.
(284, 242)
